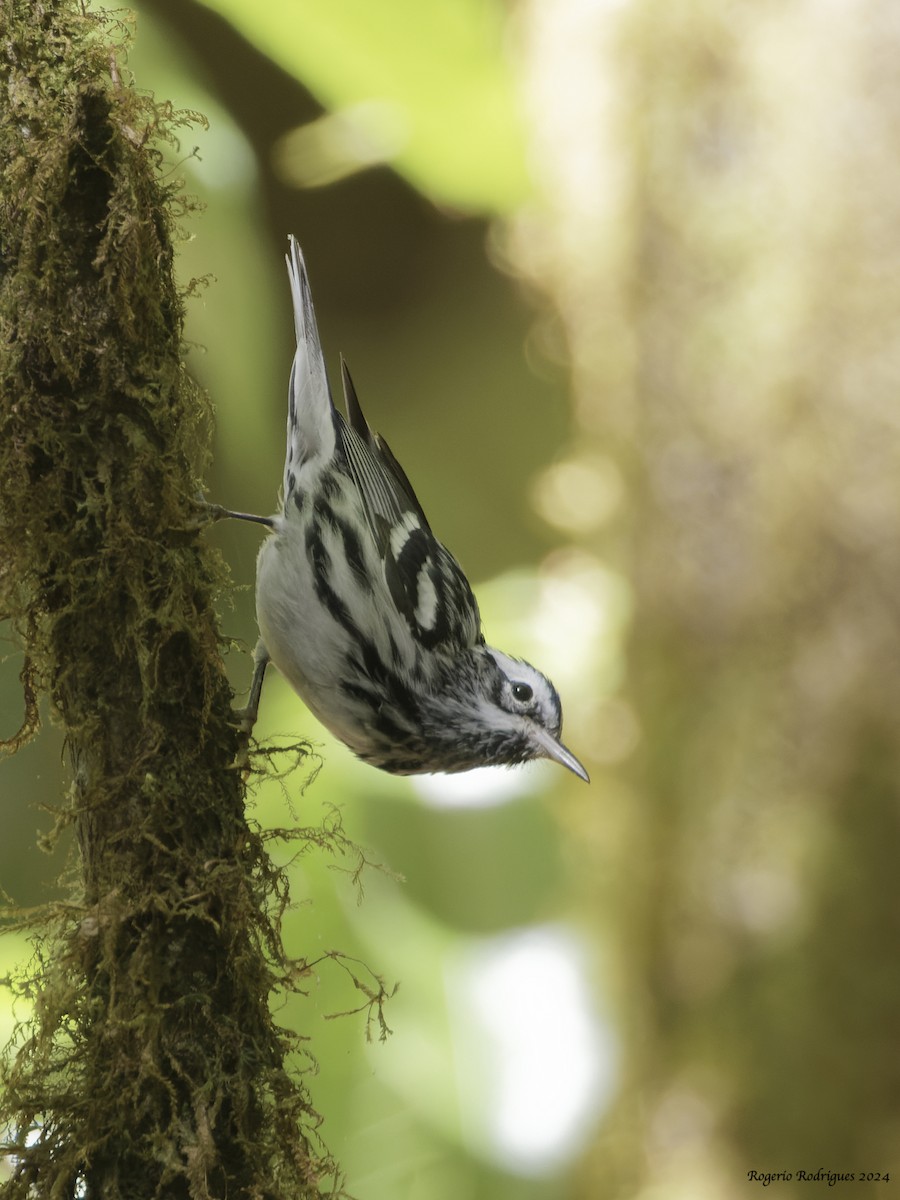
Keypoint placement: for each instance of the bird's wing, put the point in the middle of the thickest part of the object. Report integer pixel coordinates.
(425, 581)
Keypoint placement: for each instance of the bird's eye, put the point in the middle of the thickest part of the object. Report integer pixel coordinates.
(521, 692)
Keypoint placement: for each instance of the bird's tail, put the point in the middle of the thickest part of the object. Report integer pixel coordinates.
(311, 415)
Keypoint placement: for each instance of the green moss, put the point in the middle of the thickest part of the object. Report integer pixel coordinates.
(152, 1066)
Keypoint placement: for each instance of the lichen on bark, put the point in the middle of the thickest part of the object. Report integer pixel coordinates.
(152, 1066)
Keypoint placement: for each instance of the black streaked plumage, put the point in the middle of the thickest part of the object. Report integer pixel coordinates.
(370, 618)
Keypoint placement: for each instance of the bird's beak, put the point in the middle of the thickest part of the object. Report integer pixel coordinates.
(551, 748)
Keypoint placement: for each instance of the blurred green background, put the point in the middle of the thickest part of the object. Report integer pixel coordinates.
(620, 284)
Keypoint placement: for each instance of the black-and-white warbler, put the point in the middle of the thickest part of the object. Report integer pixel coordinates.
(369, 618)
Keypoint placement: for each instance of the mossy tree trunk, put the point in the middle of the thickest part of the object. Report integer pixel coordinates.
(152, 1067)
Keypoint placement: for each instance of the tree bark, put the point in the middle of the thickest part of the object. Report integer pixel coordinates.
(152, 1066)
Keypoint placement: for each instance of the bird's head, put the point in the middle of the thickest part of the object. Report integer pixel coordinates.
(522, 705)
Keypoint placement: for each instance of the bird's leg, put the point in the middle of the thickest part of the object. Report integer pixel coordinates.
(247, 715)
(217, 513)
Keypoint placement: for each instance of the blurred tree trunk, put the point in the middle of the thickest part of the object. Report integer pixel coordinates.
(722, 192)
(152, 1066)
